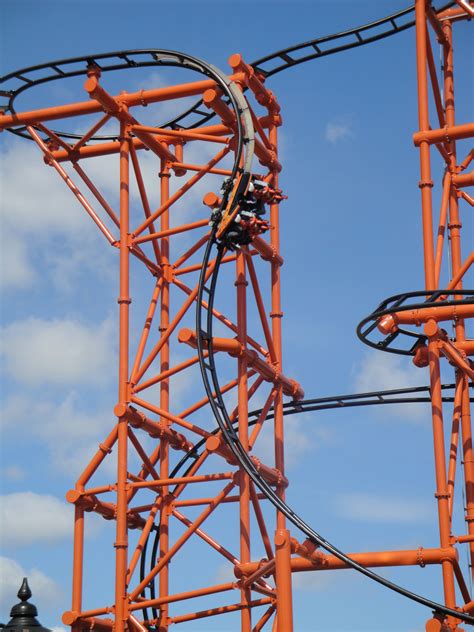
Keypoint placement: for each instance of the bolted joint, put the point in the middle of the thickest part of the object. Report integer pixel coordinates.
(121, 544)
(431, 328)
(240, 282)
(105, 449)
(426, 184)
(419, 557)
(168, 273)
(442, 495)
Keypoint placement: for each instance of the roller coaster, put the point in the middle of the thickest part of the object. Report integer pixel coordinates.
(242, 116)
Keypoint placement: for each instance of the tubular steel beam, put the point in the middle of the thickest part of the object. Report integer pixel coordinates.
(162, 484)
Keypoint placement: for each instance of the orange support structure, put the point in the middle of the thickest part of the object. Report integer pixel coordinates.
(147, 501)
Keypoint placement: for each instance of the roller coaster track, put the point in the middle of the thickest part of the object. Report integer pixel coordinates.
(204, 325)
(413, 395)
(194, 117)
(204, 328)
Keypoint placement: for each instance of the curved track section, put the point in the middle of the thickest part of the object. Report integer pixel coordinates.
(397, 303)
(19, 81)
(415, 395)
(204, 329)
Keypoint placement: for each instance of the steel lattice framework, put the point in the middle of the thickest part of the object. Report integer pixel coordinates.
(236, 121)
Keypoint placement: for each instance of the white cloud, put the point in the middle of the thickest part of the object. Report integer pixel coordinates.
(14, 473)
(44, 589)
(225, 573)
(57, 351)
(27, 517)
(37, 207)
(70, 433)
(302, 435)
(312, 581)
(379, 371)
(34, 198)
(365, 507)
(14, 261)
(336, 131)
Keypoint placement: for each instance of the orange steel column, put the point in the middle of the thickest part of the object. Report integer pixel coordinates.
(121, 541)
(164, 391)
(426, 184)
(468, 459)
(244, 483)
(78, 563)
(282, 534)
(454, 227)
(431, 328)
(442, 492)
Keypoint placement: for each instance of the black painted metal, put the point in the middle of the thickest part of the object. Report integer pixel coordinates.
(373, 398)
(143, 58)
(196, 115)
(23, 614)
(204, 329)
(398, 303)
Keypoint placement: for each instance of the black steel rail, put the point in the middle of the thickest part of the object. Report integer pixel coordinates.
(244, 146)
(353, 400)
(133, 59)
(197, 115)
(397, 303)
(204, 330)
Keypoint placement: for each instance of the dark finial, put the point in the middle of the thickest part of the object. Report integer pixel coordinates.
(23, 614)
(24, 593)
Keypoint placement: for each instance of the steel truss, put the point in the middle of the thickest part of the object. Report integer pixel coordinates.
(148, 505)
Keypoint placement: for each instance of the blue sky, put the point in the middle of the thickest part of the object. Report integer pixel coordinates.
(351, 236)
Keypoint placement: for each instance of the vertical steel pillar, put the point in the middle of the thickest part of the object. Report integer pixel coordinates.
(78, 563)
(454, 227)
(426, 184)
(164, 390)
(284, 615)
(244, 482)
(121, 541)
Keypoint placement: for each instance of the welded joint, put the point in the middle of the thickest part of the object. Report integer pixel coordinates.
(104, 448)
(90, 503)
(419, 557)
(308, 550)
(422, 184)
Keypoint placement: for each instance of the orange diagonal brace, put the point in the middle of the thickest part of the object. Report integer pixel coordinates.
(158, 430)
(180, 541)
(234, 348)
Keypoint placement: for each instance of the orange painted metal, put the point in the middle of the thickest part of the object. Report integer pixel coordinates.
(323, 562)
(146, 405)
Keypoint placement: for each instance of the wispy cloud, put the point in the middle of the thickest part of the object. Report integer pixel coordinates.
(337, 131)
(57, 351)
(377, 371)
(301, 437)
(14, 473)
(52, 518)
(11, 576)
(366, 507)
(69, 433)
(36, 209)
(312, 581)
